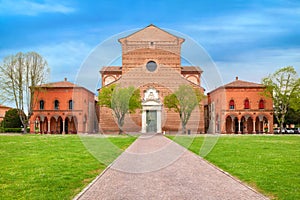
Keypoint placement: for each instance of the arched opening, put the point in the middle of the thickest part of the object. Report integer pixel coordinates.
(43, 127)
(56, 125)
(257, 125)
(59, 125)
(236, 125)
(53, 125)
(37, 124)
(67, 122)
(243, 127)
(71, 125)
(229, 125)
(262, 124)
(249, 125)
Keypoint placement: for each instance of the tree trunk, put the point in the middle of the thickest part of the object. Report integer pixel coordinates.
(120, 125)
(120, 131)
(183, 128)
(281, 127)
(281, 123)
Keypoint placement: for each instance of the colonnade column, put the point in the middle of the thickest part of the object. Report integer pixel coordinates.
(232, 124)
(239, 126)
(63, 132)
(254, 126)
(48, 126)
(40, 127)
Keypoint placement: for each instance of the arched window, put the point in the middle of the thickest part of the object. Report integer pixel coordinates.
(246, 104)
(56, 105)
(70, 105)
(42, 104)
(231, 104)
(261, 104)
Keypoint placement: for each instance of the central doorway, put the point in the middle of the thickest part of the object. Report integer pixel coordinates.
(151, 120)
(151, 115)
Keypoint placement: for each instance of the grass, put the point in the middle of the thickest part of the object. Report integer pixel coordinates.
(53, 167)
(271, 164)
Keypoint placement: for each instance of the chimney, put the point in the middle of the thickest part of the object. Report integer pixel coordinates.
(66, 79)
(236, 78)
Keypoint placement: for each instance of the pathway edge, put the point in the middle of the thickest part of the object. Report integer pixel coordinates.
(224, 172)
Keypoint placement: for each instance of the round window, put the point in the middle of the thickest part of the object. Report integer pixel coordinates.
(151, 66)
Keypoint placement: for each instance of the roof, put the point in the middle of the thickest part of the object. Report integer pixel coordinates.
(111, 69)
(62, 84)
(191, 69)
(239, 84)
(149, 33)
(3, 106)
(242, 84)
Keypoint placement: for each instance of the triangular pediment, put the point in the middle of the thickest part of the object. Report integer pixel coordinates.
(151, 33)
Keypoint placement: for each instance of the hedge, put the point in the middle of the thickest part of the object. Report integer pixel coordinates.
(13, 130)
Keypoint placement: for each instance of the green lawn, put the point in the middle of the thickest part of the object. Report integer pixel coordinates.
(271, 164)
(53, 167)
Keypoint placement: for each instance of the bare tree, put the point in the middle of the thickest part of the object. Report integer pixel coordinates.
(19, 75)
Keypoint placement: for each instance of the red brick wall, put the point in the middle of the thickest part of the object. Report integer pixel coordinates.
(82, 102)
(221, 98)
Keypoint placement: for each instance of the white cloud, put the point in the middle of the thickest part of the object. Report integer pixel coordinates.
(31, 8)
(248, 26)
(253, 66)
(64, 59)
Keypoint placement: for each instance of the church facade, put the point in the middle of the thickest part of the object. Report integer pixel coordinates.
(151, 62)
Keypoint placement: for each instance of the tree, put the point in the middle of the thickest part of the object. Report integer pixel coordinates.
(293, 117)
(12, 119)
(18, 75)
(184, 101)
(283, 87)
(120, 100)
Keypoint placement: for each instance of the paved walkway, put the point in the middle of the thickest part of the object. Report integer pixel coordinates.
(154, 167)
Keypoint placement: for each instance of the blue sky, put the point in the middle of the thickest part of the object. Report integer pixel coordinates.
(249, 39)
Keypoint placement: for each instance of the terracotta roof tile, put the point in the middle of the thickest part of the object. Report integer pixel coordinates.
(111, 69)
(3, 106)
(240, 84)
(65, 84)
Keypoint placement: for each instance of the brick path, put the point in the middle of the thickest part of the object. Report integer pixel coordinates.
(154, 167)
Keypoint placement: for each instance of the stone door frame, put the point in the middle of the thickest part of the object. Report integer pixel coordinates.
(151, 102)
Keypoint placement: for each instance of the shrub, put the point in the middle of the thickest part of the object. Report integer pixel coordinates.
(12, 130)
